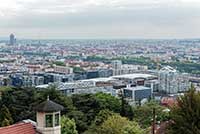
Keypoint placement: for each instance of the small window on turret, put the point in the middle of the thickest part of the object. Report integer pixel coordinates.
(49, 120)
(57, 121)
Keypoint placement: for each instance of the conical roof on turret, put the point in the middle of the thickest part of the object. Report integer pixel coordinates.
(48, 106)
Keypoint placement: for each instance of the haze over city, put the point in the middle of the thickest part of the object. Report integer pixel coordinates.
(53, 19)
(99, 67)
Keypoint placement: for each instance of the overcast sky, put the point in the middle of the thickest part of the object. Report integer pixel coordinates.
(100, 18)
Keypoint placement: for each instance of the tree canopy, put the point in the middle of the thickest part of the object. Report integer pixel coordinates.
(82, 108)
(115, 124)
(144, 114)
(68, 126)
(186, 115)
(89, 105)
(5, 117)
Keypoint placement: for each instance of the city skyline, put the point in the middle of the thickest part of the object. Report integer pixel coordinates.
(99, 66)
(51, 19)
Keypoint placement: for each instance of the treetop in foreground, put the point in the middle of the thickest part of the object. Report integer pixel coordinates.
(186, 115)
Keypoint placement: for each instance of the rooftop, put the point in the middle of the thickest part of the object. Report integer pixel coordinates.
(137, 88)
(134, 76)
(20, 128)
(43, 86)
(106, 79)
(168, 69)
(49, 106)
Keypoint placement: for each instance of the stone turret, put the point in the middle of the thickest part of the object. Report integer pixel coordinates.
(48, 117)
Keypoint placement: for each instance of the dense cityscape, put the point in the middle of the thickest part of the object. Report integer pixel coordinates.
(99, 67)
(169, 66)
(139, 70)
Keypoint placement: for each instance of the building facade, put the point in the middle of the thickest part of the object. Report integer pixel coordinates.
(172, 82)
(12, 39)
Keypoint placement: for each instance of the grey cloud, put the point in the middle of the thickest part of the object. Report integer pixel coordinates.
(102, 21)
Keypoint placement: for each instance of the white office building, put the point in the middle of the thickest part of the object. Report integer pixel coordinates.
(116, 66)
(120, 69)
(171, 81)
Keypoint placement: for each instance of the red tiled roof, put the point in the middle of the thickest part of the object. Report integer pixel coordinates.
(20, 128)
(167, 101)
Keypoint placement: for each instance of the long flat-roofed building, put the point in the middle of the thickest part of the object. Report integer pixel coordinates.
(106, 85)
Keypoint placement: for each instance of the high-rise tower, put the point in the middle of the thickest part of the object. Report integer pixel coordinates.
(12, 39)
(116, 66)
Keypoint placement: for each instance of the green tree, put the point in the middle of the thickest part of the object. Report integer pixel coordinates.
(107, 101)
(77, 69)
(186, 115)
(57, 97)
(5, 116)
(102, 116)
(133, 128)
(5, 122)
(68, 126)
(81, 120)
(87, 106)
(143, 114)
(118, 125)
(59, 63)
(83, 108)
(126, 109)
(19, 103)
